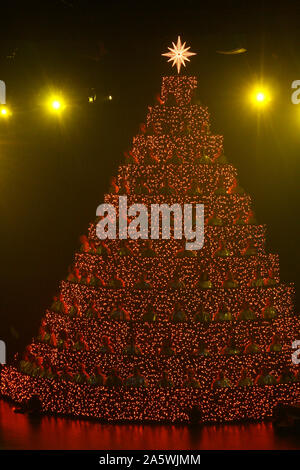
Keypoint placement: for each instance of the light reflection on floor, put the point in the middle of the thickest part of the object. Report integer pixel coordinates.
(18, 431)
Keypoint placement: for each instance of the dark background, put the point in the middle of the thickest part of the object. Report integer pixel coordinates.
(54, 172)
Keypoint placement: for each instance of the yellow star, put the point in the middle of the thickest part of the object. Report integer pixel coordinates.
(178, 54)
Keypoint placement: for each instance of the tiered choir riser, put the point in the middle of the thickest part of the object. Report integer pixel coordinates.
(163, 302)
(179, 176)
(185, 338)
(171, 405)
(161, 271)
(206, 368)
(235, 237)
(189, 147)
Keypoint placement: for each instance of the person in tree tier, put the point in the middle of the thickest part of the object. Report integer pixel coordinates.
(73, 310)
(166, 188)
(202, 159)
(73, 275)
(239, 219)
(221, 159)
(97, 378)
(130, 158)
(131, 349)
(270, 281)
(47, 335)
(47, 369)
(86, 246)
(223, 314)
(178, 315)
(91, 311)
(123, 186)
(235, 188)
(57, 305)
(250, 218)
(245, 380)
(113, 379)
(166, 349)
(174, 158)
(80, 343)
(222, 250)
(64, 341)
(231, 347)
(84, 278)
(201, 350)
(276, 345)
(114, 187)
(202, 315)
(119, 313)
(124, 249)
(165, 381)
(265, 378)
(176, 283)
(190, 380)
(247, 313)
(252, 347)
(26, 364)
(42, 331)
(150, 315)
(269, 311)
(214, 220)
(257, 281)
(184, 253)
(66, 374)
(204, 281)
(220, 187)
(194, 189)
(116, 282)
(96, 280)
(147, 251)
(38, 367)
(143, 283)
(54, 373)
(221, 381)
(82, 377)
(287, 376)
(141, 187)
(230, 282)
(249, 250)
(103, 250)
(150, 158)
(106, 346)
(136, 379)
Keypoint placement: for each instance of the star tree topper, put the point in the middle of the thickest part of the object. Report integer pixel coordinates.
(179, 54)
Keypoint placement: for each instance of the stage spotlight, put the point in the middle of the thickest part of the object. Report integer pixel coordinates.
(260, 97)
(56, 104)
(4, 112)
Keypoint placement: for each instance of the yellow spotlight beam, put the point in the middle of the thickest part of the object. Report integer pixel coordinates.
(260, 96)
(4, 112)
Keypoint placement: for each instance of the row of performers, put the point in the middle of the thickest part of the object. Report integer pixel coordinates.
(165, 187)
(63, 341)
(177, 315)
(174, 156)
(45, 369)
(147, 250)
(143, 282)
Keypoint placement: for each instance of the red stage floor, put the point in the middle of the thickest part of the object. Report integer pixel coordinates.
(20, 432)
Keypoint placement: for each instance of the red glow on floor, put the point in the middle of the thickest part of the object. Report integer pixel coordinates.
(18, 431)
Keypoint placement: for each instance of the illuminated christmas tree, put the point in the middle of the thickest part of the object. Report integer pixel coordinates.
(148, 331)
